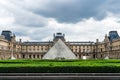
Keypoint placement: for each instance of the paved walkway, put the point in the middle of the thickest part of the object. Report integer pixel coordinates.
(59, 76)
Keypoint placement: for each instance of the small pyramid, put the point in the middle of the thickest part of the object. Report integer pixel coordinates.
(107, 57)
(59, 51)
(12, 58)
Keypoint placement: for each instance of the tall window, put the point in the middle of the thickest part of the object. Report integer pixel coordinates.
(33, 56)
(37, 56)
(23, 56)
(29, 56)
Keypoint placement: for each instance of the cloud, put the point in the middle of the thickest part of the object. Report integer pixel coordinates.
(71, 11)
(30, 13)
(86, 30)
(80, 20)
(22, 16)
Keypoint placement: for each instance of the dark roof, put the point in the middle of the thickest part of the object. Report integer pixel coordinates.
(113, 35)
(47, 43)
(7, 34)
(81, 43)
(36, 43)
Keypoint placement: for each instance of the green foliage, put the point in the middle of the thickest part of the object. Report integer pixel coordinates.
(60, 66)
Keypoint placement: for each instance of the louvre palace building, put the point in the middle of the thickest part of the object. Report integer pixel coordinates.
(59, 48)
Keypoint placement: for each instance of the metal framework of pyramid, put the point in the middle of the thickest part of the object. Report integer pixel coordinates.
(59, 51)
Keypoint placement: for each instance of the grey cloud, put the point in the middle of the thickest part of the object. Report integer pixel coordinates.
(35, 13)
(30, 13)
(34, 33)
(76, 10)
(30, 21)
(69, 11)
(41, 33)
(20, 33)
(24, 17)
(113, 6)
(73, 11)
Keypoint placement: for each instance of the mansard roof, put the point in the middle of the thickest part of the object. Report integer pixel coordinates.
(51, 42)
(113, 35)
(36, 43)
(80, 43)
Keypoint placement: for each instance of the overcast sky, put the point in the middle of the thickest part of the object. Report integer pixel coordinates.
(80, 20)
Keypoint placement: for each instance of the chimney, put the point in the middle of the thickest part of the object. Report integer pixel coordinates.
(20, 40)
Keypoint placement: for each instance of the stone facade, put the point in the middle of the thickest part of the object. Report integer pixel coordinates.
(109, 48)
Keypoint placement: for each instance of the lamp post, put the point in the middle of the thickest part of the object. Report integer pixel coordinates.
(12, 56)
